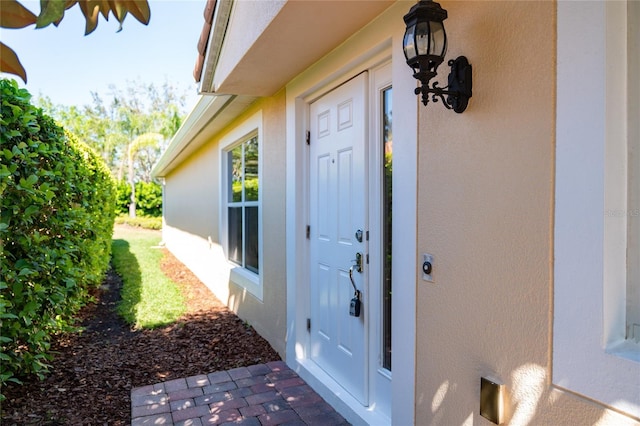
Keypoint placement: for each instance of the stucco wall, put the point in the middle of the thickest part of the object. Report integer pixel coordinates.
(192, 230)
(191, 195)
(485, 200)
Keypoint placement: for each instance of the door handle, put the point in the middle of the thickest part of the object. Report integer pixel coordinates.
(358, 262)
(356, 304)
(353, 283)
(357, 266)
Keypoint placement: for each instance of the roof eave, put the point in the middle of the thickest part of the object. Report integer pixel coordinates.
(209, 116)
(217, 32)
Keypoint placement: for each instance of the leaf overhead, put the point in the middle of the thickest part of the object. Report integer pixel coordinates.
(68, 5)
(10, 63)
(104, 8)
(15, 15)
(139, 9)
(90, 10)
(50, 11)
(119, 10)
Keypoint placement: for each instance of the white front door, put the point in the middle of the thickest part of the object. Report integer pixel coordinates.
(338, 215)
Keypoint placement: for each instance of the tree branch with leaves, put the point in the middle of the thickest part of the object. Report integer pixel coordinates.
(14, 15)
(129, 129)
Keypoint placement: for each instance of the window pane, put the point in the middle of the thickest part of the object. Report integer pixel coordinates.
(387, 196)
(243, 209)
(251, 170)
(235, 234)
(235, 175)
(251, 239)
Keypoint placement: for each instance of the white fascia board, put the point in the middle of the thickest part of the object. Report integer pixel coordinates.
(214, 46)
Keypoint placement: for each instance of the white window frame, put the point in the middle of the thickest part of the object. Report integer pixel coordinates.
(633, 175)
(251, 127)
(591, 356)
(380, 378)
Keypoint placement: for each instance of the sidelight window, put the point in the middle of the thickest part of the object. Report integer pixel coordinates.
(387, 197)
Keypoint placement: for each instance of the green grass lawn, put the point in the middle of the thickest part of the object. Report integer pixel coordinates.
(149, 298)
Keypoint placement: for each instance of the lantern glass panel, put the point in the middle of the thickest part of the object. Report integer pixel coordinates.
(423, 39)
(409, 43)
(438, 42)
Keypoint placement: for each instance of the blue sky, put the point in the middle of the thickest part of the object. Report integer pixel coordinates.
(66, 66)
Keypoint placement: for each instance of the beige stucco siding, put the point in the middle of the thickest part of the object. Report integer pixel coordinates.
(194, 189)
(192, 228)
(485, 199)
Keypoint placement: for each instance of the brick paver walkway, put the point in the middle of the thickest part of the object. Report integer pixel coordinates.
(261, 395)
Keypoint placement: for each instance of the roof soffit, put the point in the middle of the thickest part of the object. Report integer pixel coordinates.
(300, 33)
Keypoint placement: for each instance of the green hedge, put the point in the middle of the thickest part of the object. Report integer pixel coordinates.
(145, 222)
(57, 208)
(123, 197)
(148, 198)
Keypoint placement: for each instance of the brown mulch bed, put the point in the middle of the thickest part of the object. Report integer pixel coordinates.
(93, 372)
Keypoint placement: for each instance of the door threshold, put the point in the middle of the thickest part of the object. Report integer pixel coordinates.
(341, 400)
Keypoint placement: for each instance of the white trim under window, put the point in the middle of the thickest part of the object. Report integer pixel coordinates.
(591, 355)
(245, 264)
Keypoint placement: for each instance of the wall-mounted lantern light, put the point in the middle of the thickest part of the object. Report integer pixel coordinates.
(425, 44)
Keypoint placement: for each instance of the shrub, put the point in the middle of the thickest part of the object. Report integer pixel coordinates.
(140, 221)
(57, 203)
(148, 198)
(123, 197)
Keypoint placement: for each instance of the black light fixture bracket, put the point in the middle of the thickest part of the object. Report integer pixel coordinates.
(457, 92)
